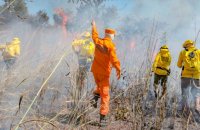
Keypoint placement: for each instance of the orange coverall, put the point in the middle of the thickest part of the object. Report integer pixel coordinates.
(104, 58)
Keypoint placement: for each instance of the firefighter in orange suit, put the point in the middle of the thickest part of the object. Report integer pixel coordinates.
(104, 59)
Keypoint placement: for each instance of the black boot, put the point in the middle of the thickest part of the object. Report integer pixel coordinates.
(103, 120)
(94, 100)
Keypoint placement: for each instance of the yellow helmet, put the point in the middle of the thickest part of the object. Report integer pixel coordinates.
(187, 42)
(86, 35)
(164, 47)
(15, 40)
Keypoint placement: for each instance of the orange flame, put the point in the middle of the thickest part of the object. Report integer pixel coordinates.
(64, 17)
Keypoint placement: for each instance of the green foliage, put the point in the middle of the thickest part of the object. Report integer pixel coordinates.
(17, 10)
(16, 7)
(42, 17)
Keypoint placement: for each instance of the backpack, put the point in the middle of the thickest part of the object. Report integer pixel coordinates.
(165, 60)
(87, 49)
(192, 60)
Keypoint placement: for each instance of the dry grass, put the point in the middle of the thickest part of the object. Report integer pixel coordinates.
(63, 104)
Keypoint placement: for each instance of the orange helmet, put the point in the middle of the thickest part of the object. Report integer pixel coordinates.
(110, 31)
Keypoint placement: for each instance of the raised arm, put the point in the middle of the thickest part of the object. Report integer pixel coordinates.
(95, 35)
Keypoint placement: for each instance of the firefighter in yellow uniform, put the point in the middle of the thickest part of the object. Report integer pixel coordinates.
(189, 61)
(10, 52)
(84, 49)
(161, 69)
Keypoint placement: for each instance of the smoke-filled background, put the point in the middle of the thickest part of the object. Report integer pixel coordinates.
(48, 27)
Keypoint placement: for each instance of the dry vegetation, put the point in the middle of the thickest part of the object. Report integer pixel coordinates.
(44, 88)
(63, 104)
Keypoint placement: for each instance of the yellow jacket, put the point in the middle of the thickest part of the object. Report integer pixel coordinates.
(162, 63)
(183, 63)
(10, 50)
(85, 47)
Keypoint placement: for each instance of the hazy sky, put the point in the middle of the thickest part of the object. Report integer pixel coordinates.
(50, 5)
(175, 13)
(180, 17)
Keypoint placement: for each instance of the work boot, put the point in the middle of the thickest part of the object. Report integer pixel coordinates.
(94, 100)
(103, 120)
